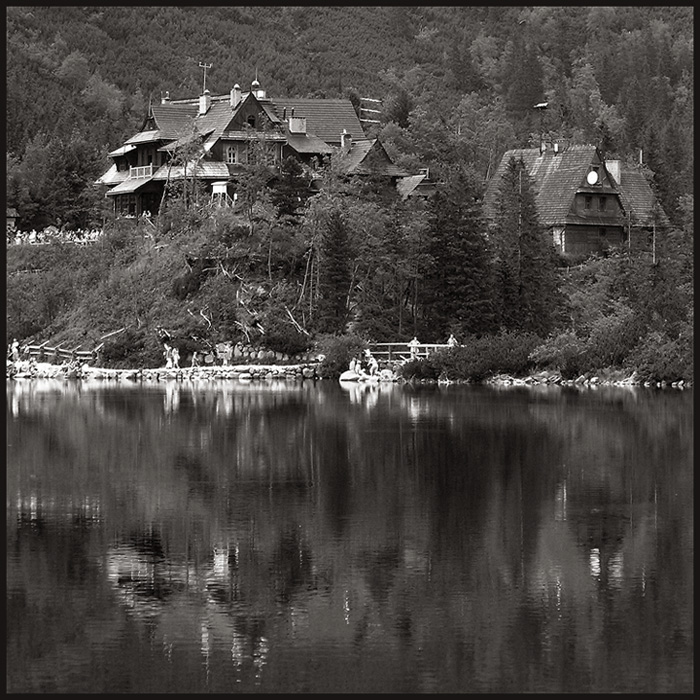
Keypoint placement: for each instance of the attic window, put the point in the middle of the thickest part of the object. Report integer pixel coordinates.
(593, 177)
(602, 203)
(588, 202)
(251, 121)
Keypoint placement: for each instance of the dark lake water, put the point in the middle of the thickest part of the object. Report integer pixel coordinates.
(304, 537)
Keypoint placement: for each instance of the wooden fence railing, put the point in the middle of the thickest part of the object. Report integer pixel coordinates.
(58, 354)
(399, 352)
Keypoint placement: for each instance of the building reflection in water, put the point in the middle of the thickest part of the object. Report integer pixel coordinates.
(239, 518)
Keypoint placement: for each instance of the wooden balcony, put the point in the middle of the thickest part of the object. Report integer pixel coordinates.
(142, 171)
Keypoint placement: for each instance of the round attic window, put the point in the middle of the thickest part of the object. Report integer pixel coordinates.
(592, 177)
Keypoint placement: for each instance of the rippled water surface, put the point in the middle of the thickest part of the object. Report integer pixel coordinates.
(309, 537)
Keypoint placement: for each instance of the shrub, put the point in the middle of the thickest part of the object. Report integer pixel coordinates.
(660, 358)
(612, 337)
(428, 368)
(481, 357)
(131, 349)
(564, 352)
(337, 351)
(477, 358)
(281, 336)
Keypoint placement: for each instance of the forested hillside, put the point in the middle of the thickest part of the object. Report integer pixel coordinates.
(458, 84)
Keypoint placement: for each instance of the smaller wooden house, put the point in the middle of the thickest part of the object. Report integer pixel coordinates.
(586, 203)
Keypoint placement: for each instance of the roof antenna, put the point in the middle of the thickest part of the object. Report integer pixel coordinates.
(205, 66)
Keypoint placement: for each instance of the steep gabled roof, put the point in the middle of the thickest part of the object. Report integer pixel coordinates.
(369, 158)
(172, 120)
(325, 118)
(556, 176)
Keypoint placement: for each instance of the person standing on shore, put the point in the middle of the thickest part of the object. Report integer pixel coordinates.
(168, 352)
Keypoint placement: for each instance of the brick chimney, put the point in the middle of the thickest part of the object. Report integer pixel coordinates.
(236, 96)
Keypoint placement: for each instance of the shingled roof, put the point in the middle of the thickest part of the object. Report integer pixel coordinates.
(308, 143)
(556, 176)
(638, 199)
(325, 118)
(357, 160)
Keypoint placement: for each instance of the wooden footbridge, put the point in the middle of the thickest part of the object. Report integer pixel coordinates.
(402, 352)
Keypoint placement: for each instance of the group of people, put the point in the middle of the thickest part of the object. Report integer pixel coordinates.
(172, 356)
(365, 363)
(52, 233)
(414, 344)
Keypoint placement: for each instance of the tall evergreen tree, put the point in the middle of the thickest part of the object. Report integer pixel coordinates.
(458, 289)
(525, 258)
(334, 275)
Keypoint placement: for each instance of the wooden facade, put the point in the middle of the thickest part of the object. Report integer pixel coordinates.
(587, 204)
(212, 140)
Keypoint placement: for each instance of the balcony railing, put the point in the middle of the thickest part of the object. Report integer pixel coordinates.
(141, 172)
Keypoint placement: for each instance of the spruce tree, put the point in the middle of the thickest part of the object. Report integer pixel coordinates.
(334, 275)
(525, 260)
(458, 289)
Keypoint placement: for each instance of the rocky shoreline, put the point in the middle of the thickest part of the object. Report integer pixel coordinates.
(245, 372)
(301, 371)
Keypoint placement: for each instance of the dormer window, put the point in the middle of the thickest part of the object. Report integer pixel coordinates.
(602, 203)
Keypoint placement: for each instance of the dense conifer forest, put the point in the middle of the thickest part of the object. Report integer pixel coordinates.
(457, 86)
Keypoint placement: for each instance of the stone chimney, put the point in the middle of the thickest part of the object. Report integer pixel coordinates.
(297, 125)
(345, 141)
(204, 102)
(613, 167)
(236, 96)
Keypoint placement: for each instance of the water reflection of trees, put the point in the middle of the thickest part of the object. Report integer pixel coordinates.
(240, 516)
